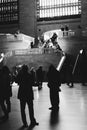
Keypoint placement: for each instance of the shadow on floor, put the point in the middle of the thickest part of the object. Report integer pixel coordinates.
(54, 118)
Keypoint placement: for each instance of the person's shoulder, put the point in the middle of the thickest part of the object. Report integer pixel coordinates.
(29, 75)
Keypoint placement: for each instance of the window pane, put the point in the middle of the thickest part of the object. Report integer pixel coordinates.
(55, 8)
(8, 11)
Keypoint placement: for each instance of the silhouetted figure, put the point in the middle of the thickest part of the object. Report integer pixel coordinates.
(70, 76)
(58, 46)
(54, 37)
(39, 77)
(32, 45)
(54, 84)
(69, 69)
(67, 30)
(5, 91)
(80, 67)
(25, 95)
(83, 66)
(62, 29)
(55, 42)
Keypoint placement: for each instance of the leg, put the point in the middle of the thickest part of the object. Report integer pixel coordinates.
(56, 100)
(40, 85)
(31, 110)
(52, 97)
(4, 109)
(23, 115)
(31, 113)
(8, 104)
(71, 81)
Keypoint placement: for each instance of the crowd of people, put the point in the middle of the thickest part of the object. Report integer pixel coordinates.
(25, 79)
(65, 30)
(52, 42)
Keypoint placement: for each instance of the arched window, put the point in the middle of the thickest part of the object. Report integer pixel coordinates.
(58, 8)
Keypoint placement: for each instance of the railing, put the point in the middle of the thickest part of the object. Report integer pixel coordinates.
(28, 51)
(61, 63)
(35, 51)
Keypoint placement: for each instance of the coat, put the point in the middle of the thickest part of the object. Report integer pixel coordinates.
(25, 82)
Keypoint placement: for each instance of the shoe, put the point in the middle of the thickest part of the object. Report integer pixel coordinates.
(4, 118)
(9, 110)
(50, 108)
(71, 85)
(39, 87)
(59, 90)
(33, 124)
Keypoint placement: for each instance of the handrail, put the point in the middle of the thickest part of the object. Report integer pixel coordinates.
(61, 63)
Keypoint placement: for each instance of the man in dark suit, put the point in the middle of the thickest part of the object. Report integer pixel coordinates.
(54, 83)
(25, 95)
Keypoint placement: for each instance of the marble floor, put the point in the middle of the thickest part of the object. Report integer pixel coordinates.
(72, 114)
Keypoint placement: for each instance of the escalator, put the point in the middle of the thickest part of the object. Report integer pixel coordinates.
(65, 67)
(80, 67)
(73, 69)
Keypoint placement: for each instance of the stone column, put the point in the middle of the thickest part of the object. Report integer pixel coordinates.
(27, 17)
(84, 15)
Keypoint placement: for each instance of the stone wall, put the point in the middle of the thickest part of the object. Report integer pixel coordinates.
(84, 14)
(84, 17)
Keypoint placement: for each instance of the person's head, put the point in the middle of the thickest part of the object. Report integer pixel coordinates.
(40, 67)
(83, 51)
(5, 70)
(51, 67)
(24, 68)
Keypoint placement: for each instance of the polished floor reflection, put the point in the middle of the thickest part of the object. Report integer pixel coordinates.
(72, 114)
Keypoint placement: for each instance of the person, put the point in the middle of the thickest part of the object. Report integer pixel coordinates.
(67, 30)
(32, 45)
(54, 83)
(54, 37)
(68, 72)
(5, 91)
(58, 46)
(55, 42)
(62, 29)
(39, 77)
(69, 76)
(25, 95)
(83, 66)
(80, 67)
